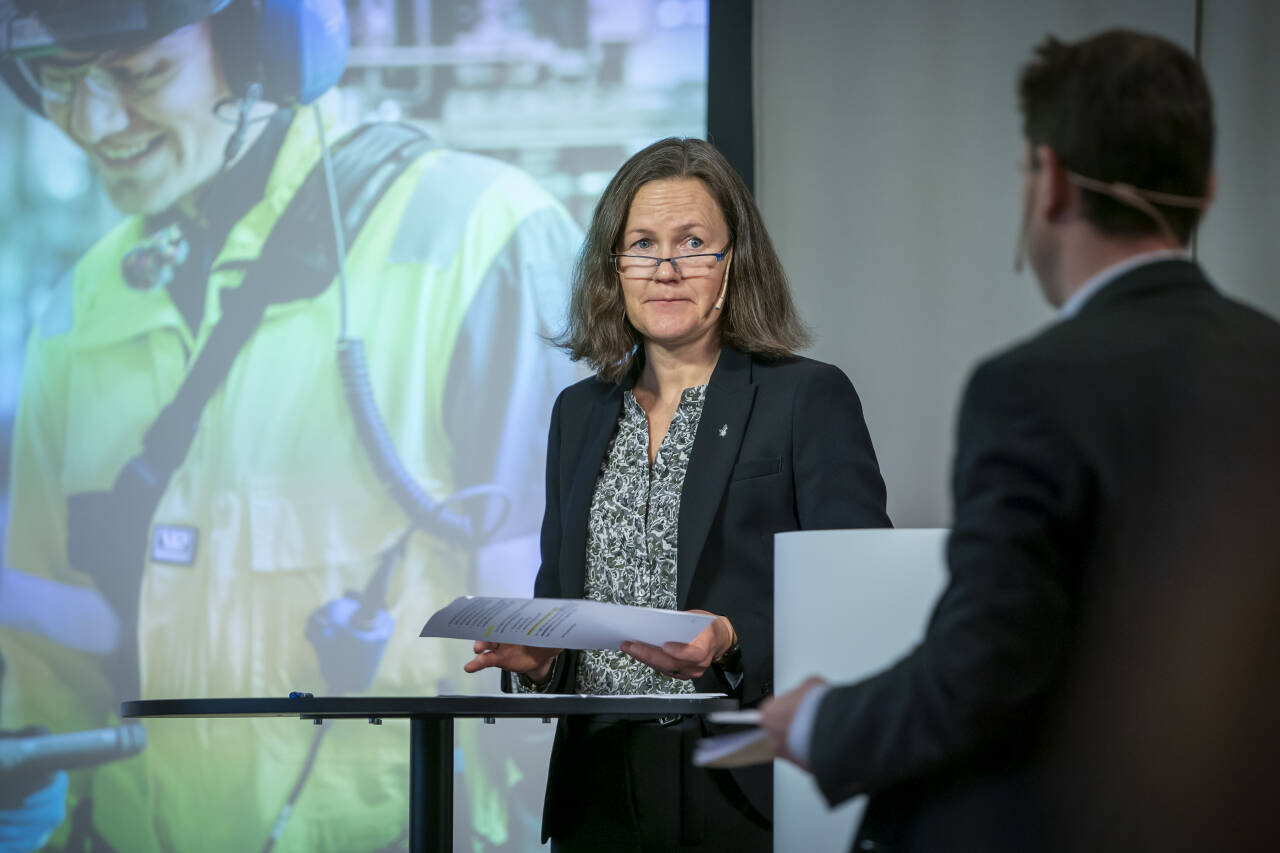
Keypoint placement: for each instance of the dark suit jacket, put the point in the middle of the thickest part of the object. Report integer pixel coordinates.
(781, 445)
(1092, 677)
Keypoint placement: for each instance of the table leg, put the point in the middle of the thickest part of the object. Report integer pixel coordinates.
(431, 785)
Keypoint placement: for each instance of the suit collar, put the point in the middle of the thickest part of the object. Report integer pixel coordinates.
(602, 421)
(1175, 274)
(1110, 273)
(730, 395)
(733, 369)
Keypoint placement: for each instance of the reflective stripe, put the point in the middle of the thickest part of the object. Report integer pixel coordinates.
(450, 191)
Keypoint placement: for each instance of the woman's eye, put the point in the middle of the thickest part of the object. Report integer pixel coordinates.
(642, 245)
(695, 243)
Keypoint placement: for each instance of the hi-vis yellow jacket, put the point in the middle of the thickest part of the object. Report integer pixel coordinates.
(461, 266)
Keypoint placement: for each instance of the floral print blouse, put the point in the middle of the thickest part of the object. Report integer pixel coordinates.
(632, 535)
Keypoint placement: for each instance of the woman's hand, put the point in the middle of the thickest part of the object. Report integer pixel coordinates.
(687, 661)
(534, 662)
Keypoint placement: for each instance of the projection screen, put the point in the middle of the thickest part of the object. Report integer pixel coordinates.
(247, 532)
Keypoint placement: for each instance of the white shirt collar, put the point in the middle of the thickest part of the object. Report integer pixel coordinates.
(1109, 274)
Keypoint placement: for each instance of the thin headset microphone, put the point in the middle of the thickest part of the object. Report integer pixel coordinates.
(724, 287)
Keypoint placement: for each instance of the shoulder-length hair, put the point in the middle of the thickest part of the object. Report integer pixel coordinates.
(758, 315)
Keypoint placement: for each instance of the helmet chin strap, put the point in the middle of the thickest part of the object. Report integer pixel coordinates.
(244, 106)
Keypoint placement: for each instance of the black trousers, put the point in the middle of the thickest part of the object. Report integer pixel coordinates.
(634, 789)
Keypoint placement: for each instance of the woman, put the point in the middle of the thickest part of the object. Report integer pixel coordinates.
(668, 473)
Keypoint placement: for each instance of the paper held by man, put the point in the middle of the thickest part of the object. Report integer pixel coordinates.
(561, 623)
(736, 749)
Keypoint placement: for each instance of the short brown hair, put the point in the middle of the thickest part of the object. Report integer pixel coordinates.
(758, 315)
(1122, 106)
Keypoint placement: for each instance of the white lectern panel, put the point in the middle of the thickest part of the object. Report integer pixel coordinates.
(846, 604)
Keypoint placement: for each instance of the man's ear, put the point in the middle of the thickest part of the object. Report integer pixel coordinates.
(1055, 192)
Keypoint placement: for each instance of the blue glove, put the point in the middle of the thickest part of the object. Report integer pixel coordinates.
(348, 644)
(28, 826)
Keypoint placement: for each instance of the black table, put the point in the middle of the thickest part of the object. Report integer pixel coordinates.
(430, 732)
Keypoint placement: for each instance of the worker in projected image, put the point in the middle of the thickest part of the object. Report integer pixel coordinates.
(1099, 673)
(668, 473)
(203, 504)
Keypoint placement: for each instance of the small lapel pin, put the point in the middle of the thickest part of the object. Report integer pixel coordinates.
(724, 430)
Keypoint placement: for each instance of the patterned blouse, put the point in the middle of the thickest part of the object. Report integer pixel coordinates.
(631, 537)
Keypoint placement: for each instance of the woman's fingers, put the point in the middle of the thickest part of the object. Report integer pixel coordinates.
(665, 662)
(479, 662)
(508, 656)
(686, 660)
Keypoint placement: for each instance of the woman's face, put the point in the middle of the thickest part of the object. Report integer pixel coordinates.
(670, 218)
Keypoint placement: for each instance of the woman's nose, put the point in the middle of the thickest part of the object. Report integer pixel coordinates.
(667, 270)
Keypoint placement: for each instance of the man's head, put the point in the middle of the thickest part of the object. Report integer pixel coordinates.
(137, 83)
(146, 117)
(1118, 108)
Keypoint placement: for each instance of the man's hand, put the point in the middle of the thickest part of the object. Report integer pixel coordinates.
(533, 661)
(687, 661)
(777, 713)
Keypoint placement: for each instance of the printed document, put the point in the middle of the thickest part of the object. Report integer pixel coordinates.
(739, 749)
(561, 623)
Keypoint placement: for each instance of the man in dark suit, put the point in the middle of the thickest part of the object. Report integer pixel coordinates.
(1099, 673)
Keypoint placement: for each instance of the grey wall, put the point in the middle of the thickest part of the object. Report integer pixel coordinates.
(887, 148)
(1237, 242)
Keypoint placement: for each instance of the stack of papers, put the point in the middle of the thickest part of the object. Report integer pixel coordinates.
(570, 623)
(738, 749)
(562, 623)
(508, 697)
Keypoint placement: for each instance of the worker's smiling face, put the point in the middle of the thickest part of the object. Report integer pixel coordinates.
(145, 117)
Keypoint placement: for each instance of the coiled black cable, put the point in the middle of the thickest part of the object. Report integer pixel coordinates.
(425, 512)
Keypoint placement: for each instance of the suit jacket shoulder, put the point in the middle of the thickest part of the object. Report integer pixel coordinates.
(793, 369)
(1165, 319)
(1150, 311)
(584, 392)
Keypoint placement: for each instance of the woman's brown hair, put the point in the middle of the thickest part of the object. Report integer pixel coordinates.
(758, 315)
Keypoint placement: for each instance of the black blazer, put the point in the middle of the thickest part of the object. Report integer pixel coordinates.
(781, 445)
(1091, 677)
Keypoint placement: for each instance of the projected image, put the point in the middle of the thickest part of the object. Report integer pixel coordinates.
(276, 284)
